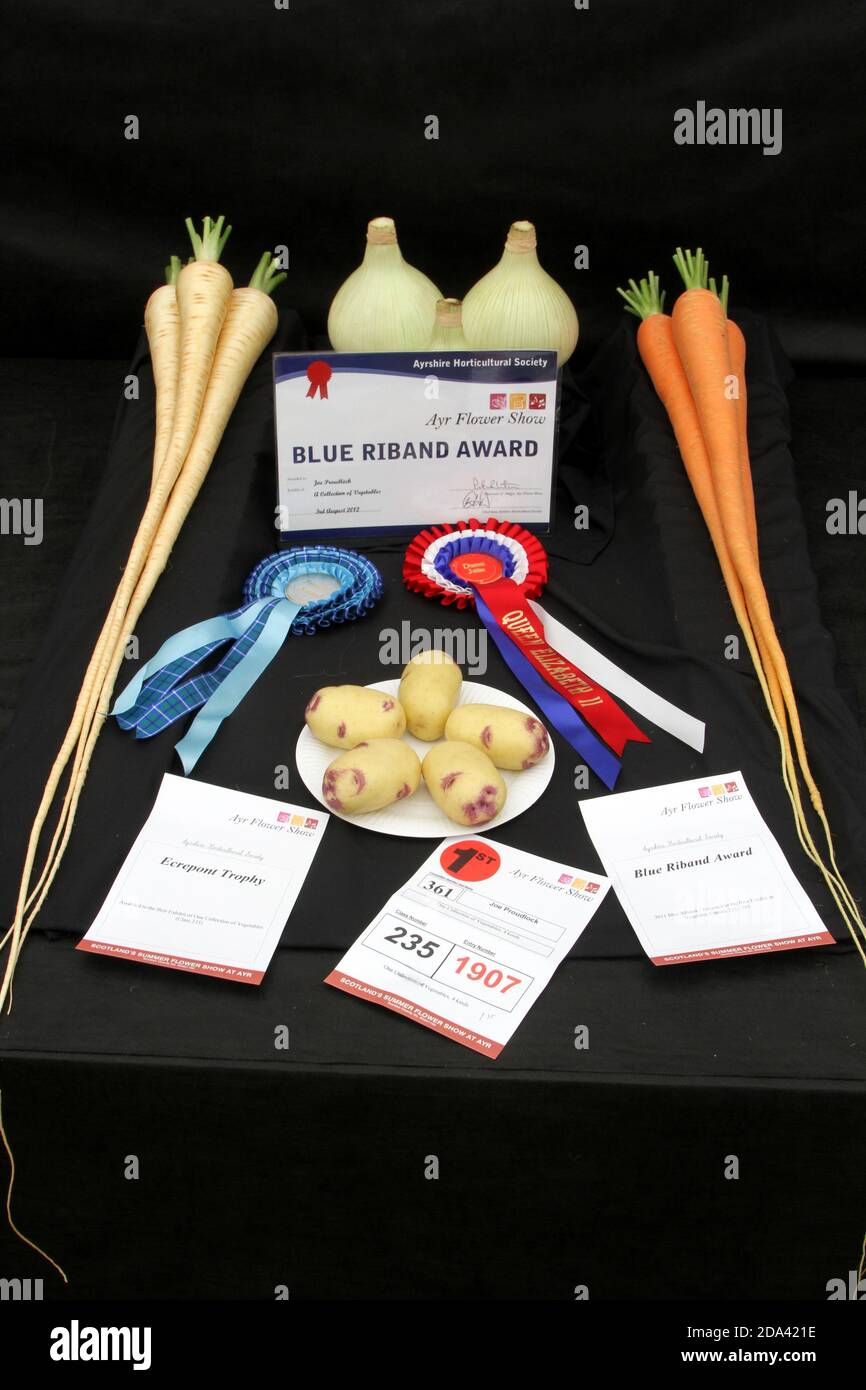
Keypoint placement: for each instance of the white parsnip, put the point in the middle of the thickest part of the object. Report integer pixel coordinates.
(248, 323)
(162, 326)
(202, 288)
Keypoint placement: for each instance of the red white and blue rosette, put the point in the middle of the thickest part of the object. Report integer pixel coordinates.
(483, 549)
(499, 566)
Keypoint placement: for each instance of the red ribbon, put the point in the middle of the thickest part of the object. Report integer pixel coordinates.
(509, 606)
(319, 374)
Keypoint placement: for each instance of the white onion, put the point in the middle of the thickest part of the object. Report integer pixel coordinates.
(385, 305)
(448, 328)
(518, 305)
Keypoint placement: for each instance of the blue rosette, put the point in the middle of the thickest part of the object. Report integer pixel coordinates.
(296, 592)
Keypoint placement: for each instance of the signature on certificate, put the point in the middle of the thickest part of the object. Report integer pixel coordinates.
(479, 493)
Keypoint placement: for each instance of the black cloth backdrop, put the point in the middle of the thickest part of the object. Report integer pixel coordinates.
(643, 574)
(560, 1166)
(302, 123)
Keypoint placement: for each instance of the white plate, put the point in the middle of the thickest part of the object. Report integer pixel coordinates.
(419, 816)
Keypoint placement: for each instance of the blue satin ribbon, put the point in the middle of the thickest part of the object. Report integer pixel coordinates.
(167, 687)
(562, 715)
(240, 679)
(193, 643)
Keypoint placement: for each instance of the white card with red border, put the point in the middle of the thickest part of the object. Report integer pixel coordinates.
(209, 883)
(467, 945)
(699, 874)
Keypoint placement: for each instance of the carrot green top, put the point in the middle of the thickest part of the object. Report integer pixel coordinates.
(694, 271)
(692, 268)
(172, 270)
(267, 274)
(722, 293)
(211, 244)
(644, 300)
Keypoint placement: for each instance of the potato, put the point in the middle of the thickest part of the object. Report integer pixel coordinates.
(345, 715)
(464, 783)
(509, 737)
(371, 776)
(429, 690)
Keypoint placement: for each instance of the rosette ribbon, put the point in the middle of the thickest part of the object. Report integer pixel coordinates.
(319, 374)
(500, 566)
(298, 591)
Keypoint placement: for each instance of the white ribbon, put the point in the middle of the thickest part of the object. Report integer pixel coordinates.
(599, 668)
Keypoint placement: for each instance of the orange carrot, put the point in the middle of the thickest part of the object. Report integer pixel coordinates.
(700, 334)
(737, 351)
(737, 347)
(658, 351)
(661, 359)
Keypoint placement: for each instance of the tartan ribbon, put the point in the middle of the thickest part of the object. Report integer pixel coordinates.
(166, 697)
(169, 685)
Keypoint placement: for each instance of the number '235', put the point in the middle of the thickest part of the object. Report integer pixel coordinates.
(413, 942)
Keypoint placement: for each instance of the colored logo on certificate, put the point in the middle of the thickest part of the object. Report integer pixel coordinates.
(537, 400)
(580, 884)
(517, 400)
(283, 816)
(718, 789)
(497, 400)
(297, 820)
(311, 822)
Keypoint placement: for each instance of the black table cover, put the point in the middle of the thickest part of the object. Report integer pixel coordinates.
(641, 583)
(603, 1169)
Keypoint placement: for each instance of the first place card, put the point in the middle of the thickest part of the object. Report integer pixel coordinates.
(209, 883)
(467, 946)
(392, 441)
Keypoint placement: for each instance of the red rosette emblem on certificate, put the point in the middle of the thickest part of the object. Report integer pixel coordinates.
(319, 373)
(499, 566)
